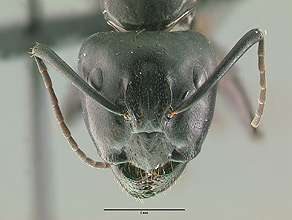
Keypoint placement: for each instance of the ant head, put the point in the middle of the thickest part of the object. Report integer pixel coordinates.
(150, 14)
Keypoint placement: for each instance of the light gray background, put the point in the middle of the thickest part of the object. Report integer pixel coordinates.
(234, 177)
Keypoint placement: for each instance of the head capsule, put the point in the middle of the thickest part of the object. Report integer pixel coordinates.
(148, 75)
(126, 15)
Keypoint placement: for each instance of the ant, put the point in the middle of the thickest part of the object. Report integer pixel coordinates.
(148, 90)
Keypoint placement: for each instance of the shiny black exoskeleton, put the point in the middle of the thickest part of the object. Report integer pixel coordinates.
(147, 91)
(148, 75)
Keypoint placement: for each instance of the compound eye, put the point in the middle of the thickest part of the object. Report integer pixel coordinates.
(96, 78)
(199, 76)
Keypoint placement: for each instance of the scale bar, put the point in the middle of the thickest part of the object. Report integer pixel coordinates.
(150, 210)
